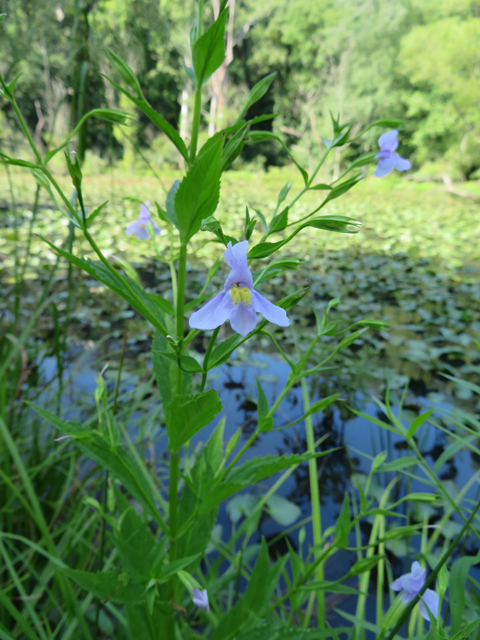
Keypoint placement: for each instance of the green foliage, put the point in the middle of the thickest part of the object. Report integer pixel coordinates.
(197, 195)
(208, 51)
(186, 415)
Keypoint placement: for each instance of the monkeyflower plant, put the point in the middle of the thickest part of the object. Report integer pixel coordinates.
(161, 525)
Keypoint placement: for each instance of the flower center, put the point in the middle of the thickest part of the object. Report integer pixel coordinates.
(241, 295)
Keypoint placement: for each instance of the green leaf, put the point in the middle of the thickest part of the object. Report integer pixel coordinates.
(187, 414)
(417, 422)
(162, 367)
(107, 585)
(140, 553)
(343, 525)
(262, 404)
(264, 423)
(95, 213)
(457, 585)
(198, 194)
(337, 224)
(221, 352)
(275, 267)
(342, 188)
(293, 299)
(157, 120)
(17, 162)
(261, 217)
(365, 564)
(124, 71)
(121, 285)
(164, 305)
(114, 459)
(187, 363)
(278, 223)
(257, 93)
(248, 473)
(203, 471)
(172, 568)
(208, 52)
(256, 598)
(363, 160)
(234, 146)
(330, 587)
(170, 203)
(400, 463)
(321, 405)
(2, 17)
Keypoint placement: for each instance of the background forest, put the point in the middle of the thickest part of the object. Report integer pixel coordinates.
(417, 60)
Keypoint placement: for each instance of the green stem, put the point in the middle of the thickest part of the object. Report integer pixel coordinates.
(174, 458)
(315, 502)
(211, 344)
(197, 107)
(179, 317)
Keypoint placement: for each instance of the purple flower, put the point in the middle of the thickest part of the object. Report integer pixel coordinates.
(238, 302)
(388, 160)
(200, 599)
(410, 584)
(139, 227)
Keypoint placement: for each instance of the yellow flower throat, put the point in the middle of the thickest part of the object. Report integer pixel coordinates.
(241, 295)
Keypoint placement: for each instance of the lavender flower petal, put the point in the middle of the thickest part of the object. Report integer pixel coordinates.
(432, 600)
(269, 311)
(385, 165)
(243, 319)
(132, 228)
(200, 599)
(397, 585)
(145, 216)
(138, 229)
(401, 164)
(236, 258)
(388, 141)
(214, 313)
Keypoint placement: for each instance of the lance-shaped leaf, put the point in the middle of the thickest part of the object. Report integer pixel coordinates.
(111, 585)
(257, 93)
(197, 196)
(115, 459)
(208, 51)
(338, 224)
(121, 285)
(250, 472)
(108, 115)
(187, 414)
(156, 118)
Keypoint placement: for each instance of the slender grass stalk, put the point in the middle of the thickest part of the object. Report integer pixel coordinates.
(316, 509)
(29, 239)
(16, 249)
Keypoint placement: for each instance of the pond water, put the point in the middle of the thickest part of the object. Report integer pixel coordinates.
(354, 440)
